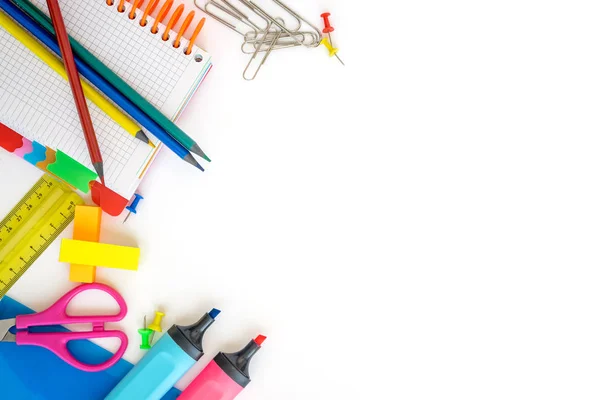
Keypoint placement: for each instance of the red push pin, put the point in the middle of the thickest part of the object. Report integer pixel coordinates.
(328, 29)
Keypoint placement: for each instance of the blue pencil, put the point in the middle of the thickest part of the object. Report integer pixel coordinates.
(30, 25)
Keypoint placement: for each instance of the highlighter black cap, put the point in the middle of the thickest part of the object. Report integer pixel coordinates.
(189, 338)
(235, 365)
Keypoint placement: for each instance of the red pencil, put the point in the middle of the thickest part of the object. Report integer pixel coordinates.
(82, 109)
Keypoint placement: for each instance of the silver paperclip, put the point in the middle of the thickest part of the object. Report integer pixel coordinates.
(264, 59)
(262, 32)
(302, 19)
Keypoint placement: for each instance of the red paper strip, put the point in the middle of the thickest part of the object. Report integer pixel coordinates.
(9, 139)
(110, 202)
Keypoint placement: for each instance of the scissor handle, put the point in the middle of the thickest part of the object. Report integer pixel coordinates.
(57, 313)
(56, 342)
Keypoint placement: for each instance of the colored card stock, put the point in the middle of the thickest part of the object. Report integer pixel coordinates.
(34, 373)
(57, 163)
(62, 166)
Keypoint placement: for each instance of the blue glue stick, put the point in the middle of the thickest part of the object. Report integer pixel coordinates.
(165, 363)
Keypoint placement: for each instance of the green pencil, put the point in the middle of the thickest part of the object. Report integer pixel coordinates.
(173, 130)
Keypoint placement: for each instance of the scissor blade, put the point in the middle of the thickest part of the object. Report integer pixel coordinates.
(5, 326)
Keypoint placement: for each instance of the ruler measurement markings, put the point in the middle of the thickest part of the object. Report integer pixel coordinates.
(19, 210)
(35, 222)
(32, 257)
(24, 228)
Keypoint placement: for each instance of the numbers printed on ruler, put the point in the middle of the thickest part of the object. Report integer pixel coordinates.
(42, 214)
(17, 216)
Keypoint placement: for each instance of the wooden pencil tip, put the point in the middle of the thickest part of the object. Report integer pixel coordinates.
(198, 151)
(142, 136)
(190, 159)
(99, 167)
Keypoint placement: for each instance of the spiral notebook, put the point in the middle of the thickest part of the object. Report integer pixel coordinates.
(38, 103)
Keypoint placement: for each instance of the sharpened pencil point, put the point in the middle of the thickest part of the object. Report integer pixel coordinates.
(197, 150)
(99, 167)
(190, 158)
(142, 136)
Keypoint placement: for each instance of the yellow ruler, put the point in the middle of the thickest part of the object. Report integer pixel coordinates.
(41, 215)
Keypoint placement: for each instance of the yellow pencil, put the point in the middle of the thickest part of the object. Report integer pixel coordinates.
(55, 63)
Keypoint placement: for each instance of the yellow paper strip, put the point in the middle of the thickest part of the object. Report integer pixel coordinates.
(86, 227)
(99, 254)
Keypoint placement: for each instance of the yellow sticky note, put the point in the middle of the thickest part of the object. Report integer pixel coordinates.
(99, 254)
(86, 227)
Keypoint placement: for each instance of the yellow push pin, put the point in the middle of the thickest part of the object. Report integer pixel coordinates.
(332, 50)
(155, 325)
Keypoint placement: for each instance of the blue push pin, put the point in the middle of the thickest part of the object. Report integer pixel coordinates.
(134, 203)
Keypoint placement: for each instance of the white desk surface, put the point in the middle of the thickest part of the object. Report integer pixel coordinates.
(421, 224)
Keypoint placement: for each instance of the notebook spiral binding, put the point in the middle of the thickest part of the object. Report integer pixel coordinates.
(137, 5)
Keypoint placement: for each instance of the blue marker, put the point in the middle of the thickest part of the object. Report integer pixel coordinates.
(166, 362)
(133, 206)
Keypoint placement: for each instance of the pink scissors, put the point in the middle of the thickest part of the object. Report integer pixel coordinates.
(56, 342)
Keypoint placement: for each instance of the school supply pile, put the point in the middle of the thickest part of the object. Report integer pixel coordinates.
(137, 82)
(154, 79)
(25, 369)
(175, 353)
(44, 206)
(179, 44)
(264, 32)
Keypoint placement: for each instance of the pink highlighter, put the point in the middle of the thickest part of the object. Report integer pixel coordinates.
(225, 376)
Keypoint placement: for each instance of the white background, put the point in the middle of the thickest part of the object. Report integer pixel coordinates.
(421, 224)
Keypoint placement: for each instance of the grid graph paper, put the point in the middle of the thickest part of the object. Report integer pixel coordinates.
(142, 59)
(37, 102)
